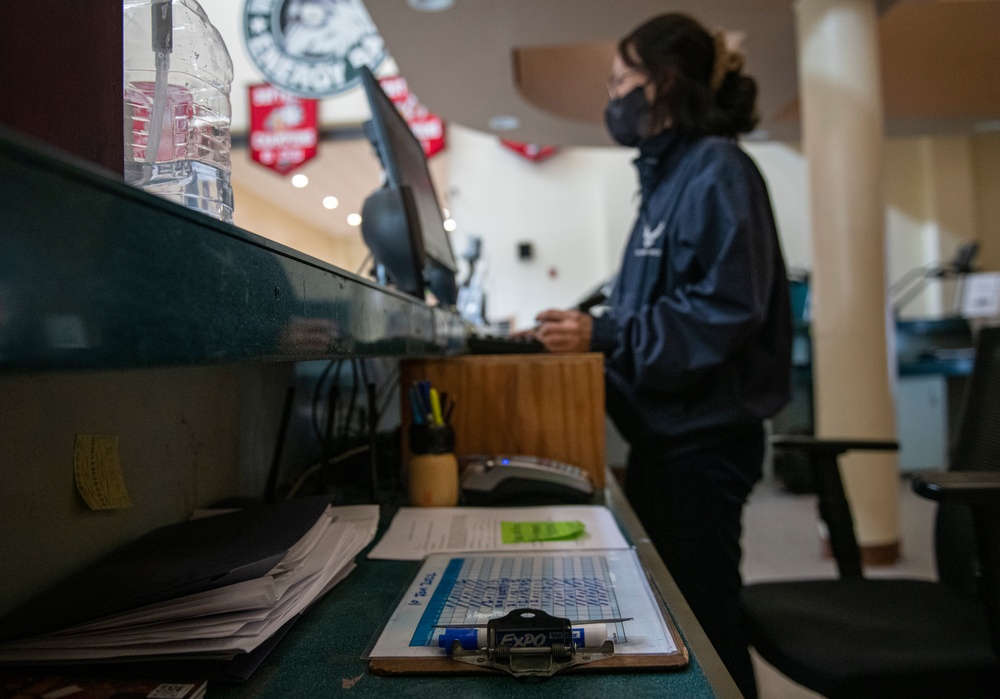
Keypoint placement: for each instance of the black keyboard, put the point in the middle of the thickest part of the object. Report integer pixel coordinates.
(503, 344)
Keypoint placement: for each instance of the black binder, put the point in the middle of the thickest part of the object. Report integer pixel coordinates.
(170, 562)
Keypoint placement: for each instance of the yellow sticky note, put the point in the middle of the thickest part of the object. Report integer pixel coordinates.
(98, 473)
(524, 532)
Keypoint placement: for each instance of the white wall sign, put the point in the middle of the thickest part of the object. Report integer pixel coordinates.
(981, 297)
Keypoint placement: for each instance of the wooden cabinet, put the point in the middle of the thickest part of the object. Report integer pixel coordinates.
(545, 405)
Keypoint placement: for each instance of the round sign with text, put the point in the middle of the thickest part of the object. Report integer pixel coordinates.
(312, 48)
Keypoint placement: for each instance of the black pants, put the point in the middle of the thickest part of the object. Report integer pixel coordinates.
(691, 504)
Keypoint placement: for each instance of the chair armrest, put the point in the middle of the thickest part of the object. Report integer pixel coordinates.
(822, 455)
(811, 445)
(970, 487)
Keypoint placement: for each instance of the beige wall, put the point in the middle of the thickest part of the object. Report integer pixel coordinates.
(909, 238)
(986, 179)
(258, 216)
(784, 169)
(941, 193)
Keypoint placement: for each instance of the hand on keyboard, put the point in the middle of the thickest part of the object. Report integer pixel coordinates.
(503, 344)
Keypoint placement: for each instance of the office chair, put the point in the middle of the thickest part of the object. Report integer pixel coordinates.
(859, 637)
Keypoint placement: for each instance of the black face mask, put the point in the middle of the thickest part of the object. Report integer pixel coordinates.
(627, 117)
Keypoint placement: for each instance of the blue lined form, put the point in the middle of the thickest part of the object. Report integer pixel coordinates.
(474, 589)
(424, 633)
(464, 590)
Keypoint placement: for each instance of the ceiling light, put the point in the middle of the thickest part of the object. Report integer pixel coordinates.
(431, 5)
(504, 122)
(300, 181)
(330, 202)
(354, 219)
(450, 225)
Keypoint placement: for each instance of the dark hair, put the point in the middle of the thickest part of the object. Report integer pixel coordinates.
(678, 55)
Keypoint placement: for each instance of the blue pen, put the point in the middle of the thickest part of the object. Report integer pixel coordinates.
(425, 395)
(418, 413)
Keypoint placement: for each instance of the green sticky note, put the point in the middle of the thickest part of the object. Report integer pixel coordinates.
(525, 532)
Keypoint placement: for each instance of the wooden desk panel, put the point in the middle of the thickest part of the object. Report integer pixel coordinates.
(540, 404)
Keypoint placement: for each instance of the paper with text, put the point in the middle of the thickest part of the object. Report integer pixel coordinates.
(418, 531)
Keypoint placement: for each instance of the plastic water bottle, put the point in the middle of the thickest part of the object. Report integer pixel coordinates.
(178, 74)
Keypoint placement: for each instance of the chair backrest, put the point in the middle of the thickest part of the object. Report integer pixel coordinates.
(976, 447)
(977, 439)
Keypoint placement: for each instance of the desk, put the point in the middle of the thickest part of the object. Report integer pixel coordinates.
(321, 655)
(104, 261)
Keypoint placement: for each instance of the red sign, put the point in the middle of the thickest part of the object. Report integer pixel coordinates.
(427, 127)
(531, 151)
(283, 128)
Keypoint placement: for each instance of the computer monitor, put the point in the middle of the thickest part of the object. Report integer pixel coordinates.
(402, 223)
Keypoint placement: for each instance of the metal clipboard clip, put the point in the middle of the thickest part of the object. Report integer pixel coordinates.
(529, 643)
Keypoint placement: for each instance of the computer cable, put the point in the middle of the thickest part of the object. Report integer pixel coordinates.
(321, 466)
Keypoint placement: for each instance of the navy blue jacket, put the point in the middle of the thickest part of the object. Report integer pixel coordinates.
(698, 333)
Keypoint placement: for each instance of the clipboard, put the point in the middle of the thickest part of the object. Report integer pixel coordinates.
(453, 589)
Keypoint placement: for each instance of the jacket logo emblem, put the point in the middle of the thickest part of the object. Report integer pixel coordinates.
(651, 235)
(649, 238)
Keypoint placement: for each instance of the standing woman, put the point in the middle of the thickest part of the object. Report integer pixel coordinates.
(697, 338)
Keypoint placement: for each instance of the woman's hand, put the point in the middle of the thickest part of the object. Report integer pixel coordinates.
(564, 331)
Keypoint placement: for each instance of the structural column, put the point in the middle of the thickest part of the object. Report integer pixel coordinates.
(840, 96)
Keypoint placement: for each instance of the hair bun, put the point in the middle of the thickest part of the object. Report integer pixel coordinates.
(728, 57)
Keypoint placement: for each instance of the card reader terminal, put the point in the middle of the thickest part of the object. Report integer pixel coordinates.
(506, 480)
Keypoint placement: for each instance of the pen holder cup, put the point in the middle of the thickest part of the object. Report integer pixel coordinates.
(432, 477)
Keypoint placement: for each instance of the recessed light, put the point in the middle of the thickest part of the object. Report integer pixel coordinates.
(504, 122)
(330, 202)
(300, 181)
(354, 219)
(450, 225)
(431, 5)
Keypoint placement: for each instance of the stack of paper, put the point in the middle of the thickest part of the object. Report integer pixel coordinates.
(418, 531)
(219, 623)
(36, 686)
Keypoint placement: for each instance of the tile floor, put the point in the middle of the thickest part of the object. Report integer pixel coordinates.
(781, 541)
